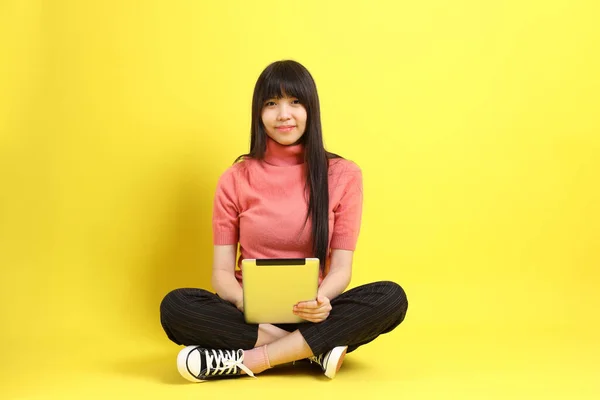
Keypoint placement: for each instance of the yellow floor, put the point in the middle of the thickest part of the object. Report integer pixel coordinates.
(414, 362)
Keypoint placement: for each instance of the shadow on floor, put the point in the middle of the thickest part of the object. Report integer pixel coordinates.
(156, 367)
(162, 368)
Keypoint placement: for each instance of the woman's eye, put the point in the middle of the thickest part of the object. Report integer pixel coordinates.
(295, 101)
(269, 103)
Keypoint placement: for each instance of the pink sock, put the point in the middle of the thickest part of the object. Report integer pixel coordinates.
(257, 359)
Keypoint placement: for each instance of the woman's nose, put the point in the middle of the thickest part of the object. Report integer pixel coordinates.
(284, 112)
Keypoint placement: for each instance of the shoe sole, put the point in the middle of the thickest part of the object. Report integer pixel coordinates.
(182, 359)
(334, 363)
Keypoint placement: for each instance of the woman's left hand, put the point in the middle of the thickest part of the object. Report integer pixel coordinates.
(313, 311)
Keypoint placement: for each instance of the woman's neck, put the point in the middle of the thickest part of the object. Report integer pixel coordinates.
(282, 155)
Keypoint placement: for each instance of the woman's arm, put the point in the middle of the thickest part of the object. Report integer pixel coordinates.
(339, 276)
(223, 275)
(334, 284)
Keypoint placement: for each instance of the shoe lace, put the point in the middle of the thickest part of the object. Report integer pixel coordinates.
(225, 362)
(316, 359)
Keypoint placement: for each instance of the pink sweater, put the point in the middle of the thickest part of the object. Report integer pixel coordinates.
(262, 205)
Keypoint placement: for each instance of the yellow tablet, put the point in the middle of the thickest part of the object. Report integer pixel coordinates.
(273, 286)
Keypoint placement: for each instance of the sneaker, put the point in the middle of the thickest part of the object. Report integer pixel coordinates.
(331, 361)
(197, 364)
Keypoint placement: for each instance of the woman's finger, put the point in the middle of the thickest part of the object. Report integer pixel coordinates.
(320, 310)
(307, 311)
(313, 317)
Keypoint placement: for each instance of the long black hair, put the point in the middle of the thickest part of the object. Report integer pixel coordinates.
(290, 78)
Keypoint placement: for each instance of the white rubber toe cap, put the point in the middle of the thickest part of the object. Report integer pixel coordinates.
(188, 360)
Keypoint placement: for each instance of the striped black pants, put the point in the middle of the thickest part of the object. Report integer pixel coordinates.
(358, 316)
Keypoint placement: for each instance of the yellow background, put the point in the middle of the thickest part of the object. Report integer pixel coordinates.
(477, 128)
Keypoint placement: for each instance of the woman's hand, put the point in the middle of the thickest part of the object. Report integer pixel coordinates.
(239, 304)
(313, 311)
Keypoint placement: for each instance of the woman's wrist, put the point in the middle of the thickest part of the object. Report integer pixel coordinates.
(333, 285)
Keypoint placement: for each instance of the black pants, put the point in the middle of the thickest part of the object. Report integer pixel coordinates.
(358, 316)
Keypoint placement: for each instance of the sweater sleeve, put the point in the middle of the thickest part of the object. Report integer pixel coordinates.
(348, 213)
(225, 221)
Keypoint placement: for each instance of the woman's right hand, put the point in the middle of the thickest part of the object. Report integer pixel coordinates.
(240, 304)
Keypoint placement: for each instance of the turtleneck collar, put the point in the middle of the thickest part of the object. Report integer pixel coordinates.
(283, 156)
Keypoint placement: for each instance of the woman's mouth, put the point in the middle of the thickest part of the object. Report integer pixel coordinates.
(285, 128)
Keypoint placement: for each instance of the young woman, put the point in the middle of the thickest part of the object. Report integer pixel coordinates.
(287, 198)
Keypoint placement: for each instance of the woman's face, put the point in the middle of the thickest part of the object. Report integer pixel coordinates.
(284, 119)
